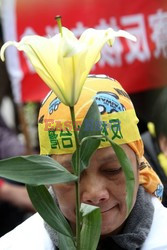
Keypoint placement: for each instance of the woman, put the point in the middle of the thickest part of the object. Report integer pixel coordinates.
(103, 182)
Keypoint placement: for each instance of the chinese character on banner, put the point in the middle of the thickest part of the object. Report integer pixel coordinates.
(138, 66)
(104, 130)
(53, 138)
(116, 128)
(66, 139)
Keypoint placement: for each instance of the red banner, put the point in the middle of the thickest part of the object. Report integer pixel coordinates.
(138, 66)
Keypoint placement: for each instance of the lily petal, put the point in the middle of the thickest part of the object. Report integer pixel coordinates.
(125, 34)
(70, 44)
(3, 48)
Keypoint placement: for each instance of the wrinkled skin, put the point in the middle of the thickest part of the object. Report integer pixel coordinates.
(102, 184)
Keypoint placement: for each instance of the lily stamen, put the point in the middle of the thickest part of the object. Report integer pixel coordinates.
(58, 19)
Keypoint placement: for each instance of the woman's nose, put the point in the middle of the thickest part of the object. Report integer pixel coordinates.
(94, 193)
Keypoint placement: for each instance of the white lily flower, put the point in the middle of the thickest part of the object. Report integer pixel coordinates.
(63, 61)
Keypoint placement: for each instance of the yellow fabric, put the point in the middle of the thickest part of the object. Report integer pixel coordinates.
(118, 121)
(149, 179)
(163, 162)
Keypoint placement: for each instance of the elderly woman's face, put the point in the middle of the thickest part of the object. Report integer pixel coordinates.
(102, 184)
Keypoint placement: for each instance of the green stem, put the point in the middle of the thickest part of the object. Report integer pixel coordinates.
(77, 184)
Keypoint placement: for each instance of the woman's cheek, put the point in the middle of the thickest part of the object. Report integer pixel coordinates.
(63, 188)
(64, 193)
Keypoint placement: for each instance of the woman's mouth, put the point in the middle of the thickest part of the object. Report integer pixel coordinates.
(106, 210)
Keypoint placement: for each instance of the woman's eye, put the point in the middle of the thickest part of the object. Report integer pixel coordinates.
(113, 171)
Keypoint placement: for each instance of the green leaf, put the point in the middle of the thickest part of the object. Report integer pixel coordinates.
(65, 243)
(91, 226)
(91, 126)
(127, 168)
(48, 209)
(35, 170)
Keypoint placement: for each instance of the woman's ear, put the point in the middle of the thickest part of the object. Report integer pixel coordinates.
(163, 144)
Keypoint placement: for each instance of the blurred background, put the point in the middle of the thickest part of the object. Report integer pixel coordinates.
(140, 67)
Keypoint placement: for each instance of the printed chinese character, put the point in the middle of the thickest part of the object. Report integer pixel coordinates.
(66, 139)
(104, 130)
(116, 128)
(158, 23)
(138, 50)
(53, 139)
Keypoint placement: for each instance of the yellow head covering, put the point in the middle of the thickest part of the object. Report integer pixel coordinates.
(119, 122)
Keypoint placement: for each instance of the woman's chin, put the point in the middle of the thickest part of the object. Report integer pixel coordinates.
(111, 224)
